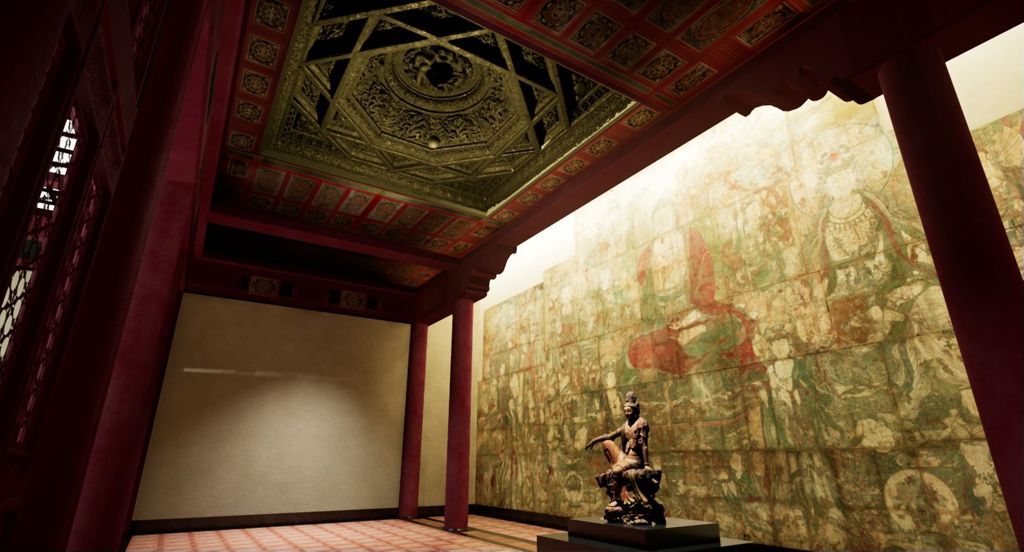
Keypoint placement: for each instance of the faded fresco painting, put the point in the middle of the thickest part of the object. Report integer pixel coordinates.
(768, 293)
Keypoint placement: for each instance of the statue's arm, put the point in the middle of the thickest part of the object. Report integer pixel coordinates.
(605, 437)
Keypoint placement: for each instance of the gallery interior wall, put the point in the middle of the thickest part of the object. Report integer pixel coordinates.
(266, 409)
(767, 291)
(435, 413)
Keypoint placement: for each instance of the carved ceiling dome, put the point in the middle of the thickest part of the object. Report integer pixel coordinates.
(437, 72)
(433, 92)
(411, 98)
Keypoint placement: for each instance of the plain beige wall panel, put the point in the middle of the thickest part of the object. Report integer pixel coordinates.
(434, 449)
(268, 409)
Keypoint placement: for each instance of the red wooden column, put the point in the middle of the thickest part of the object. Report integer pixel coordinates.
(69, 421)
(973, 259)
(114, 468)
(105, 506)
(412, 436)
(456, 490)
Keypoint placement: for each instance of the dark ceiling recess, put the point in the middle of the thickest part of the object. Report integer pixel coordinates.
(262, 250)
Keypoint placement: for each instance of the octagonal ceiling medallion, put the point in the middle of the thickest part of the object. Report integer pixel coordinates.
(414, 99)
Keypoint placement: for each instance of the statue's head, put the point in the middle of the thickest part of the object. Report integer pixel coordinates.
(631, 407)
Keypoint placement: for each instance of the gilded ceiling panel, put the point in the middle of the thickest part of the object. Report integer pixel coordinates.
(412, 98)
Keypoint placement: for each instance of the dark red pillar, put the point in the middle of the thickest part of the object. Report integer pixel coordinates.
(105, 507)
(456, 490)
(412, 437)
(108, 494)
(68, 424)
(973, 258)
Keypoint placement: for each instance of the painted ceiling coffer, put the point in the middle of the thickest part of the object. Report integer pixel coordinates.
(417, 100)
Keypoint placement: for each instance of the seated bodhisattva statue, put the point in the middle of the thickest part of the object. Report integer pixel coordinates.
(630, 481)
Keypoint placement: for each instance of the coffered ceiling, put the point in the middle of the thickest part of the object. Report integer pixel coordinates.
(417, 100)
(404, 123)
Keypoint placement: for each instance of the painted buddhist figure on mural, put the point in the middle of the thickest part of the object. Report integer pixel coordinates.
(703, 334)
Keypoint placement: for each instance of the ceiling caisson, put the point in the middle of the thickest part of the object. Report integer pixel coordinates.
(416, 100)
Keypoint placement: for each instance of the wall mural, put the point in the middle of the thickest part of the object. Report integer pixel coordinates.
(767, 292)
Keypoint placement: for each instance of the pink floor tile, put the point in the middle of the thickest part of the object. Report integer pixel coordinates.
(367, 536)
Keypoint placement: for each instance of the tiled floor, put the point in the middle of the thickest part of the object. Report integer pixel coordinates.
(509, 528)
(393, 535)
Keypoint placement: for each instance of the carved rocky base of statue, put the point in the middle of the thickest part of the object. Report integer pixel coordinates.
(631, 495)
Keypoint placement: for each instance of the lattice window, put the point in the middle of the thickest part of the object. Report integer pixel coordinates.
(59, 307)
(36, 245)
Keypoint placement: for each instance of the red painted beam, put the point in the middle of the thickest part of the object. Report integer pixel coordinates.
(205, 266)
(221, 278)
(954, 26)
(115, 462)
(472, 280)
(121, 64)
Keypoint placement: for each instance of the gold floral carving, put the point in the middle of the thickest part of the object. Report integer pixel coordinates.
(595, 31)
(771, 22)
(640, 117)
(272, 14)
(661, 66)
(263, 51)
(630, 50)
(556, 14)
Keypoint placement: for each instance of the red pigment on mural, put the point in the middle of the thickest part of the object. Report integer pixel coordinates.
(661, 350)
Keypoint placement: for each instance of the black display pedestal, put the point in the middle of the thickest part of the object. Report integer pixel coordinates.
(677, 535)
